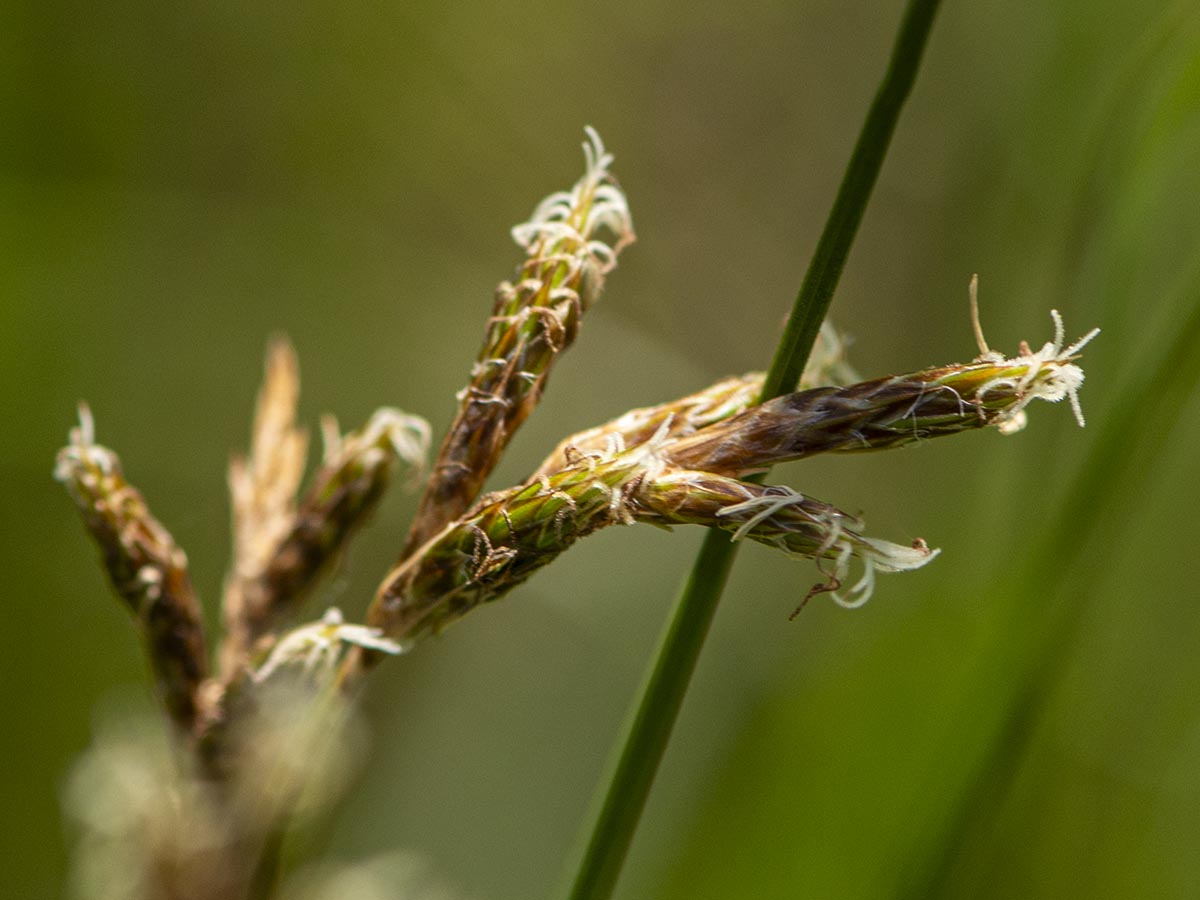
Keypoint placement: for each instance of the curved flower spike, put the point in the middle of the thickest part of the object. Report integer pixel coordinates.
(888, 412)
(571, 242)
(145, 566)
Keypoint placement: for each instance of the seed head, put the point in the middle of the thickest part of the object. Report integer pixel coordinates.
(571, 242)
(145, 566)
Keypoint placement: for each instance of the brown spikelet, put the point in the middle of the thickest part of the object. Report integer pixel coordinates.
(685, 473)
(687, 415)
(885, 412)
(280, 546)
(263, 489)
(534, 319)
(146, 567)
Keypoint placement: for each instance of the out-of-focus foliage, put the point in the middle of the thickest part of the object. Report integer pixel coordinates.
(177, 183)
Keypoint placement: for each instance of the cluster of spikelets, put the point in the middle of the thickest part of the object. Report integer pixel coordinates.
(684, 462)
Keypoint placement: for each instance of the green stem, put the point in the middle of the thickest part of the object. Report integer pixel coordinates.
(825, 268)
(620, 806)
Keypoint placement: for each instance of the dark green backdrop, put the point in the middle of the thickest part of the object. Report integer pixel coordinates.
(179, 181)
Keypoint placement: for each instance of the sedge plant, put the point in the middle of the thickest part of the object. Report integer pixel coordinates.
(260, 718)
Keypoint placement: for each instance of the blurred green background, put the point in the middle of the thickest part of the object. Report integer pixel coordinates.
(1021, 718)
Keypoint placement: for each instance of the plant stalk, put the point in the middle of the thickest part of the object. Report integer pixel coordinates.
(647, 732)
